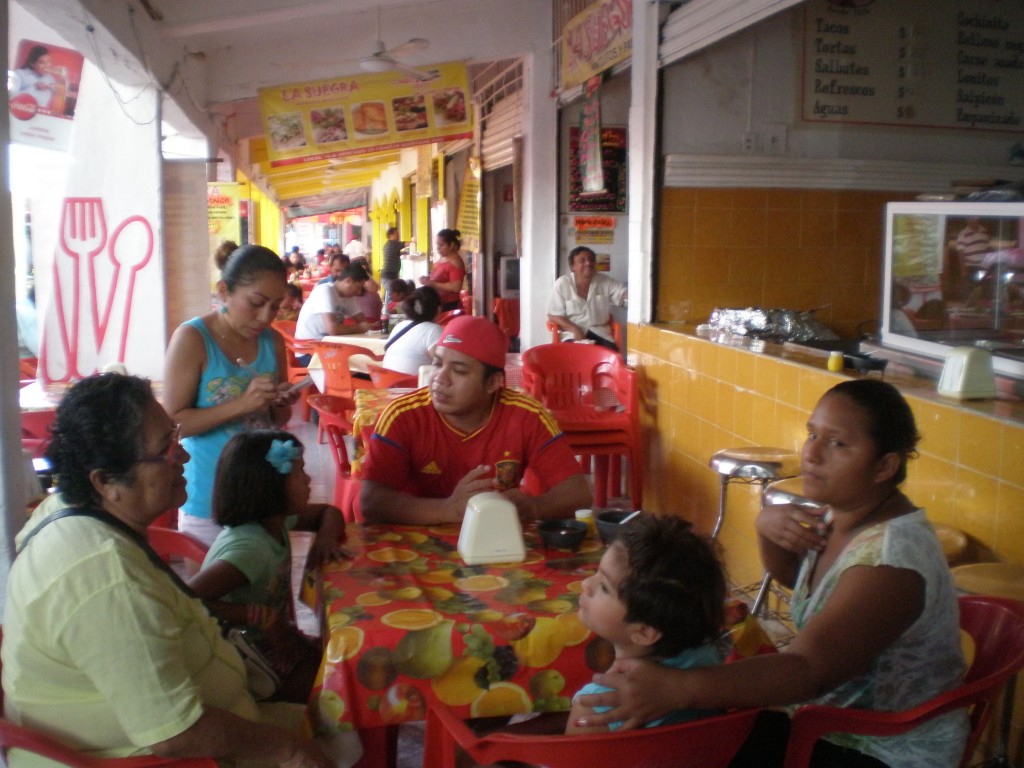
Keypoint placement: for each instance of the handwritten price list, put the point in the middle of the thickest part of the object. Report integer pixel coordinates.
(941, 63)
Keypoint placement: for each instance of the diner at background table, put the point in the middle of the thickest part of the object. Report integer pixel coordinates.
(335, 266)
(580, 300)
(410, 342)
(435, 448)
(333, 309)
(224, 372)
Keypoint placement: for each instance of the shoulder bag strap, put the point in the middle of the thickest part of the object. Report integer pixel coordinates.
(105, 517)
(401, 333)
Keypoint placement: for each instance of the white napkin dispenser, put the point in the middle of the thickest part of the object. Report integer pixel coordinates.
(491, 532)
(967, 374)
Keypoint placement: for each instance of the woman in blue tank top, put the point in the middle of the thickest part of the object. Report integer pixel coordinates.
(224, 374)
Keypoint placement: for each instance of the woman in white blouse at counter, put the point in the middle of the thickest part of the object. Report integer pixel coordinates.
(408, 347)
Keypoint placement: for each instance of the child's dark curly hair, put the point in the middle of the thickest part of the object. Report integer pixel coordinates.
(675, 582)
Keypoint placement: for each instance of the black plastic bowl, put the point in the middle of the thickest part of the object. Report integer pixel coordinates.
(864, 363)
(562, 534)
(608, 524)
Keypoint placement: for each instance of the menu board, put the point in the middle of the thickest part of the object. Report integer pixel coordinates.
(940, 63)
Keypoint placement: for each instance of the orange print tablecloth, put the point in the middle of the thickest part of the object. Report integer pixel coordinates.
(407, 623)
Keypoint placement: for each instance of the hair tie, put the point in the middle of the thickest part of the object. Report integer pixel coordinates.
(417, 307)
(281, 455)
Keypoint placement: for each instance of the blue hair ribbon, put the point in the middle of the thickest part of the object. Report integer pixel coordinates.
(281, 455)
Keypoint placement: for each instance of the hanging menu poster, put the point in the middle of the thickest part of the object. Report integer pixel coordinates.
(943, 63)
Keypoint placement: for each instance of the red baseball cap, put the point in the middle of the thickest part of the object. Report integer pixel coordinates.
(477, 337)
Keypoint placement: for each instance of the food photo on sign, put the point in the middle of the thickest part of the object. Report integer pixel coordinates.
(355, 114)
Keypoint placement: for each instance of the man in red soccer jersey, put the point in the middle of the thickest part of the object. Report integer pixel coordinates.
(435, 448)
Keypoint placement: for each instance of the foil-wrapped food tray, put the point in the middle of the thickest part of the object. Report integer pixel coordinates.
(771, 324)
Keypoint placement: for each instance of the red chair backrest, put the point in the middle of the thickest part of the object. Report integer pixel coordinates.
(447, 316)
(293, 348)
(335, 415)
(556, 337)
(996, 625)
(18, 737)
(35, 431)
(707, 743)
(564, 375)
(168, 543)
(385, 378)
(27, 368)
(335, 359)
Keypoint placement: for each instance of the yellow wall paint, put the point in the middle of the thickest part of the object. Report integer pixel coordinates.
(698, 397)
(779, 248)
(264, 217)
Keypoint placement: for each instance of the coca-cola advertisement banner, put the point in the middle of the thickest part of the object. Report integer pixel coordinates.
(43, 88)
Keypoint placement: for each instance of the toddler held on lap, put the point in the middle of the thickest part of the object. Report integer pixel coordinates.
(658, 594)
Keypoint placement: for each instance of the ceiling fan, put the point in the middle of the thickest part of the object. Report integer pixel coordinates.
(383, 59)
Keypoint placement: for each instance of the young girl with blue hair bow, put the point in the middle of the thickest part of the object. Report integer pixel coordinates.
(260, 494)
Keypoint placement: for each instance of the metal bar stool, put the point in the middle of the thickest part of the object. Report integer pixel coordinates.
(1000, 580)
(755, 464)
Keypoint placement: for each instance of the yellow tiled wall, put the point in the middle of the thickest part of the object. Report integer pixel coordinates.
(782, 248)
(699, 397)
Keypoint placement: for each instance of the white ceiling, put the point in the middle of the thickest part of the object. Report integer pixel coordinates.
(216, 54)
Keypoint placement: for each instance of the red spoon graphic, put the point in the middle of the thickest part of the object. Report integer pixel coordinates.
(129, 249)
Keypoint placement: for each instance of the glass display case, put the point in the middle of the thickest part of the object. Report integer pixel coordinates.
(954, 276)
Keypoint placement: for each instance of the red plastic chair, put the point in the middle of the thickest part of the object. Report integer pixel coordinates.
(335, 359)
(335, 414)
(169, 543)
(385, 378)
(707, 743)
(27, 368)
(18, 737)
(556, 338)
(997, 627)
(35, 431)
(448, 315)
(296, 372)
(593, 396)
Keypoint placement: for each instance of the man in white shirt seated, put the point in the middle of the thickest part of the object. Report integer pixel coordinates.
(580, 300)
(330, 305)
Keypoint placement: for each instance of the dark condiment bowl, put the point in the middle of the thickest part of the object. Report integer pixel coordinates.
(608, 524)
(562, 534)
(864, 363)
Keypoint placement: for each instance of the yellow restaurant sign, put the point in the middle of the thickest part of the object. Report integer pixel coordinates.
(355, 114)
(596, 39)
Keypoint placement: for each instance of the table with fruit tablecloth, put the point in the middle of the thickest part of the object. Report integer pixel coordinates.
(407, 623)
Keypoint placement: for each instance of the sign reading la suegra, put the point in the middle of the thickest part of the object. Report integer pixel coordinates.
(356, 114)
